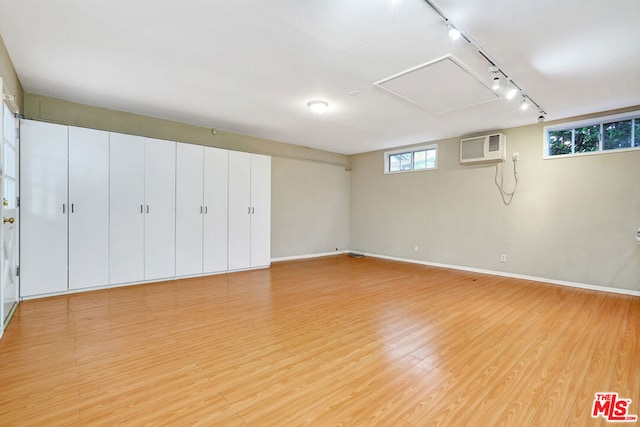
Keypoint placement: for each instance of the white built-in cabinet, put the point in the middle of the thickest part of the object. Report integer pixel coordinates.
(100, 209)
(142, 209)
(89, 208)
(249, 210)
(201, 209)
(216, 210)
(43, 208)
(64, 208)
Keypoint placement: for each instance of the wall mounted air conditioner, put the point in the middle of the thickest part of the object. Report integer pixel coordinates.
(487, 148)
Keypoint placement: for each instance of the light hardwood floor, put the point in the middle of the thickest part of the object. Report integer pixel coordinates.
(322, 342)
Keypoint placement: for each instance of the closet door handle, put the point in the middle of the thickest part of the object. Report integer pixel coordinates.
(253, 210)
(72, 206)
(206, 209)
(64, 208)
(200, 209)
(141, 209)
(147, 208)
(249, 211)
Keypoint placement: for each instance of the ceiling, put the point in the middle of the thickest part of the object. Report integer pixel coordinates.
(251, 66)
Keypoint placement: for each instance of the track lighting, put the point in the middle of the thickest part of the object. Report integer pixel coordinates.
(507, 88)
(454, 33)
(495, 72)
(541, 117)
(511, 91)
(496, 83)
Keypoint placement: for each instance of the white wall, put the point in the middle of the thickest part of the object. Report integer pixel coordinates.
(571, 219)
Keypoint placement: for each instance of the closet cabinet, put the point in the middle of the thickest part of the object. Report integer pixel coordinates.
(43, 208)
(64, 208)
(142, 209)
(89, 208)
(249, 210)
(201, 209)
(100, 209)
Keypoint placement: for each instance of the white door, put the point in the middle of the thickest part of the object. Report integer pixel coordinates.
(189, 209)
(126, 202)
(10, 214)
(89, 208)
(43, 208)
(160, 209)
(216, 187)
(239, 248)
(260, 210)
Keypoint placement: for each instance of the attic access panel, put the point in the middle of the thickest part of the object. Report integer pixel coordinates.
(439, 86)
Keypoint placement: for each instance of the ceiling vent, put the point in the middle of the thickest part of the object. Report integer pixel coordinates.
(439, 86)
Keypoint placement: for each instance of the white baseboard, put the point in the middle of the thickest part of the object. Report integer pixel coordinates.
(308, 256)
(511, 275)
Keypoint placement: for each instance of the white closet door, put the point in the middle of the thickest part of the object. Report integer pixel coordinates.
(239, 249)
(216, 187)
(126, 218)
(43, 208)
(89, 215)
(260, 210)
(160, 223)
(189, 209)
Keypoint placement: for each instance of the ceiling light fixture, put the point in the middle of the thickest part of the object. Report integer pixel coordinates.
(524, 105)
(495, 72)
(542, 116)
(456, 33)
(511, 92)
(317, 106)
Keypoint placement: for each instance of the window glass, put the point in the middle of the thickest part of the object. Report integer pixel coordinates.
(615, 132)
(417, 159)
(587, 139)
(400, 162)
(560, 142)
(420, 159)
(617, 135)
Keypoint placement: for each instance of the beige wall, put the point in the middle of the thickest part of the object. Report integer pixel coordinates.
(55, 110)
(571, 219)
(310, 188)
(312, 202)
(11, 83)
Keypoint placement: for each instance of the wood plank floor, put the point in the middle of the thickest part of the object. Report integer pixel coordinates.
(330, 341)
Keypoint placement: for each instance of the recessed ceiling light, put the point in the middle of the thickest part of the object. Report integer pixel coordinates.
(317, 106)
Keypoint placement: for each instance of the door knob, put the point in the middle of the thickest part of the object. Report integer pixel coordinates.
(7, 220)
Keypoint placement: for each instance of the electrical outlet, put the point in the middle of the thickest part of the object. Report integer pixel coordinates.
(503, 258)
(515, 157)
(416, 248)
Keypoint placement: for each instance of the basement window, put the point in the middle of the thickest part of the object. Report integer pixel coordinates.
(411, 159)
(593, 136)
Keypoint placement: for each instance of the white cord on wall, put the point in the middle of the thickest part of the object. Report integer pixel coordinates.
(507, 197)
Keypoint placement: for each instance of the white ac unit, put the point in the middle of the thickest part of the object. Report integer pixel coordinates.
(487, 148)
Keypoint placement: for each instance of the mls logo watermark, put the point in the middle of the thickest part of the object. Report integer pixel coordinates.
(612, 408)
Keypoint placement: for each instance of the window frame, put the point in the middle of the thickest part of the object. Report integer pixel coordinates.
(634, 116)
(412, 150)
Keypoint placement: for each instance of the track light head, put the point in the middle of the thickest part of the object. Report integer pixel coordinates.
(496, 83)
(454, 33)
(524, 105)
(542, 116)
